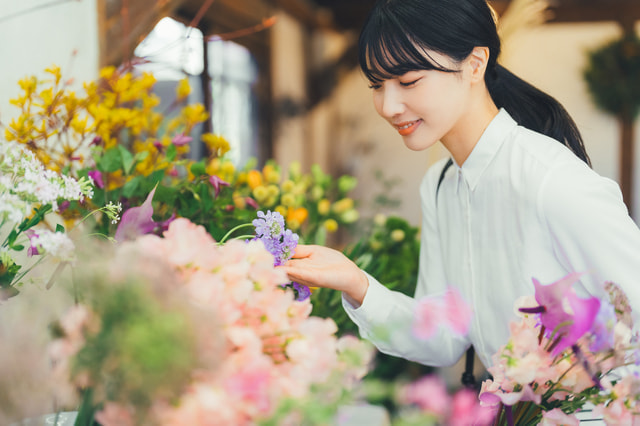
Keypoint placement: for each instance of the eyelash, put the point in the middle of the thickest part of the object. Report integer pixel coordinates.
(407, 84)
(410, 83)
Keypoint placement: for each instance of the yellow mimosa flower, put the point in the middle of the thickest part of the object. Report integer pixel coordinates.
(183, 90)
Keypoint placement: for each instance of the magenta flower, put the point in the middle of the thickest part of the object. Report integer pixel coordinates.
(217, 183)
(96, 175)
(33, 248)
(138, 221)
(568, 325)
(181, 139)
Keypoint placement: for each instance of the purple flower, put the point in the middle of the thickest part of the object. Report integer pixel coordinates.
(181, 139)
(302, 291)
(138, 221)
(270, 225)
(96, 175)
(216, 182)
(602, 330)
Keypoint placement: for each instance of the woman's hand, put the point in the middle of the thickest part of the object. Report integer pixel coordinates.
(317, 266)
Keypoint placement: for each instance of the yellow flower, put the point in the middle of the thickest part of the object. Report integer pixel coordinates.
(282, 210)
(271, 173)
(350, 216)
(288, 200)
(331, 225)
(217, 144)
(55, 71)
(260, 193)
(397, 235)
(239, 201)
(342, 206)
(288, 185)
(324, 206)
(183, 90)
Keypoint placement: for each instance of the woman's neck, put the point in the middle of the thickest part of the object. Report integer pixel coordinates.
(464, 136)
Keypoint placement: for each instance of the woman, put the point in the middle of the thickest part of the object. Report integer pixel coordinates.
(520, 200)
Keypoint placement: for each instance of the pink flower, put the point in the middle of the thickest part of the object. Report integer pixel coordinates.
(181, 139)
(466, 410)
(558, 417)
(113, 414)
(429, 393)
(217, 183)
(136, 220)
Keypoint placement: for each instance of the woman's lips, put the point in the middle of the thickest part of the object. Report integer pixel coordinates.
(407, 127)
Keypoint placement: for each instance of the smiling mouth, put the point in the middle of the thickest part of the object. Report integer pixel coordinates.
(407, 127)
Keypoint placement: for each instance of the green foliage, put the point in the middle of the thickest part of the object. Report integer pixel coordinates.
(613, 76)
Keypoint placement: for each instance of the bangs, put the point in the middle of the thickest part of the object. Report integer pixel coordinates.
(387, 51)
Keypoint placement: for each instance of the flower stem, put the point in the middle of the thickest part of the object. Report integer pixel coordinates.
(228, 234)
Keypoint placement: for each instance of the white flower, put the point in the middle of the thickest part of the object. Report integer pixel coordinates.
(56, 244)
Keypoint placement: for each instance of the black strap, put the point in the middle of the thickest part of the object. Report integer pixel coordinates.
(468, 380)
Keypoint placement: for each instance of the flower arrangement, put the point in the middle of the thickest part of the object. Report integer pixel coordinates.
(115, 134)
(180, 329)
(565, 352)
(28, 194)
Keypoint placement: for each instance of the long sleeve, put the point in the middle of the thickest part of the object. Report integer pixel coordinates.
(591, 230)
(385, 316)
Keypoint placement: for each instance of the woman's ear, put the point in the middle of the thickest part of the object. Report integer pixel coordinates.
(478, 61)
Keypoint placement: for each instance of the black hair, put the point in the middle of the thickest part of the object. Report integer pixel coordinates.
(398, 34)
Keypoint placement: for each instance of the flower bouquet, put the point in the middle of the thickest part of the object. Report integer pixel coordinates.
(181, 329)
(567, 352)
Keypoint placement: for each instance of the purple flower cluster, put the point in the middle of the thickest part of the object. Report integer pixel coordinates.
(280, 242)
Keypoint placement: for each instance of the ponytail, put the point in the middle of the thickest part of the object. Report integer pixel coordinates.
(534, 109)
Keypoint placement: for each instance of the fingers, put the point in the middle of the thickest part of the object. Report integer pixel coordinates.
(303, 250)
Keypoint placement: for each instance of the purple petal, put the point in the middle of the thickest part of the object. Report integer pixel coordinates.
(136, 220)
(96, 175)
(585, 312)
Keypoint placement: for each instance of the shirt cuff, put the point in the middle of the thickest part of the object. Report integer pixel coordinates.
(374, 306)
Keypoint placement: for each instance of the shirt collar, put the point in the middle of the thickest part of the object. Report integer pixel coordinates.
(486, 148)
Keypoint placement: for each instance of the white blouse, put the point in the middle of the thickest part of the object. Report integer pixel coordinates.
(522, 206)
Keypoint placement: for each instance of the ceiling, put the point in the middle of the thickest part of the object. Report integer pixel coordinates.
(123, 23)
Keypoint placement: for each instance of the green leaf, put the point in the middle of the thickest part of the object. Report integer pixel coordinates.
(60, 228)
(198, 169)
(171, 152)
(130, 187)
(110, 161)
(127, 159)
(18, 247)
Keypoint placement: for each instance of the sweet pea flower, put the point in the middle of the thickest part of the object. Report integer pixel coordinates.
(563, 312)
(217, 183)
(181, 139)
(558, 417)
(138, 221)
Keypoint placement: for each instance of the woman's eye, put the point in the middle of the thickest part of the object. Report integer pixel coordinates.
(409, 83)
(375, 86)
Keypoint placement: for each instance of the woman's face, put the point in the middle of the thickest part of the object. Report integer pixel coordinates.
(424, 106)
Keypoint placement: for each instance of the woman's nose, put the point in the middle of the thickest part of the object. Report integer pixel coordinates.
(391, 103)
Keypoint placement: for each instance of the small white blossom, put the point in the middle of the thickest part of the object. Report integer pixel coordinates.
(55, 244)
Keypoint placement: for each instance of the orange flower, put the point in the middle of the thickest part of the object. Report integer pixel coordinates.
(254, 178)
